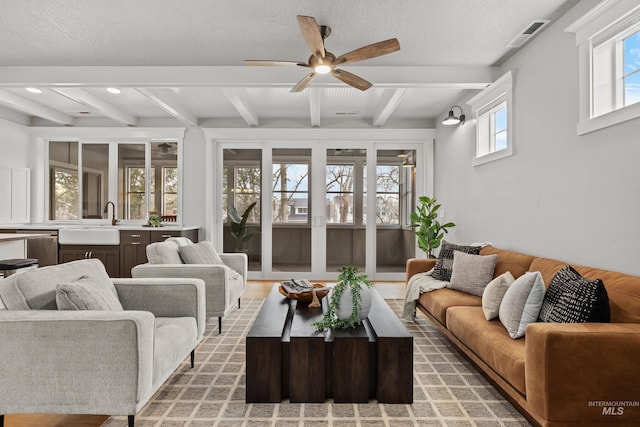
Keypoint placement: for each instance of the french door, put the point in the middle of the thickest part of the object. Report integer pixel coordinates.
(318, 206)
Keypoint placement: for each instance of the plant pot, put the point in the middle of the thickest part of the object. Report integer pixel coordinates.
(345, 307)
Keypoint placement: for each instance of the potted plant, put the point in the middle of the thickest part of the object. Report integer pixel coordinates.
(429, 230)
(349, 301)
(239, 229)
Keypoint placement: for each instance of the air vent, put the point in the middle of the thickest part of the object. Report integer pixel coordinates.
(347, 113)
(527, 33)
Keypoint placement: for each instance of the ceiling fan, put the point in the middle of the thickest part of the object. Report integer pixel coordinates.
(324, 62)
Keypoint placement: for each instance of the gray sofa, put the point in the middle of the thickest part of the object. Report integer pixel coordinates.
(93, 361)
(224, 283)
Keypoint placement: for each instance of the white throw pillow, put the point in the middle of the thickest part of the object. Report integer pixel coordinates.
(521, 303)
(87, 293)
(493, 294)
(200, 253)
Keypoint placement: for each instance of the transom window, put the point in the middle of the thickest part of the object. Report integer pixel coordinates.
(608, 40)
(492, 111)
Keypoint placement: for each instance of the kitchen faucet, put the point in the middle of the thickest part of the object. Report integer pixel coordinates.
(114, 221)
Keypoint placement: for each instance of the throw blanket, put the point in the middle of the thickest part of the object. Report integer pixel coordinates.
(419, 283)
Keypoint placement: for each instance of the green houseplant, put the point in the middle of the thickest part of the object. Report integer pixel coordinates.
(349, 301)
(428, 229)
(239, 229)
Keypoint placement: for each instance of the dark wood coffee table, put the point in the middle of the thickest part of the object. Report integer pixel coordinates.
(286, 358)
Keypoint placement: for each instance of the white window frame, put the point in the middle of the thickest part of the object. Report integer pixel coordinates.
(607, 24)
(483, 107)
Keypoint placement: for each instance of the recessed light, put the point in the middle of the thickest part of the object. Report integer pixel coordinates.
(33, 90)
(114, 90)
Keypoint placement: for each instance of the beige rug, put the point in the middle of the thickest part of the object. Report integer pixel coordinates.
(447, 389)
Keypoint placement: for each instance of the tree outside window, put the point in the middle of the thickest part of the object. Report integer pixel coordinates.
(247, 190)
(290, 192)
(339, 184)
(65, 195)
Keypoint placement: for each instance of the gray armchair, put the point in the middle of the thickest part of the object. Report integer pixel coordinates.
(93, 361)
(224, 282)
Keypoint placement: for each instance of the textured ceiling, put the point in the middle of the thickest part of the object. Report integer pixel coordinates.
(77, 33)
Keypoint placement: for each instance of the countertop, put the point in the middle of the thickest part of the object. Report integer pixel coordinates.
(7, 237)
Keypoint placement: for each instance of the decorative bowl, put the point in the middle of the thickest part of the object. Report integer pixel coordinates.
(306, 296)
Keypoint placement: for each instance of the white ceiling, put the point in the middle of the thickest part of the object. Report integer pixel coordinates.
(181, 62)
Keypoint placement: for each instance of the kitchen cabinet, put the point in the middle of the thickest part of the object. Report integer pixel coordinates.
(162, 235)
(108, 254)
(133, 250)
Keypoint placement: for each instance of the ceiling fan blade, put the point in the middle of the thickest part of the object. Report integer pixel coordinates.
(370, 51)
(352, 79)
(311, 33)
(269, 63)
(303, 83)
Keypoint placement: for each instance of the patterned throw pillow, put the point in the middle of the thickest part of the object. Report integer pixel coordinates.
(571, 298)
(444, 264)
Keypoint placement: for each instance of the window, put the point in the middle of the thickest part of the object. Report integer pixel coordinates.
(608, 39)
(339, 182)
(247, 190)
(492, 112)
(290, 192)
(387, 194)
(80, 173)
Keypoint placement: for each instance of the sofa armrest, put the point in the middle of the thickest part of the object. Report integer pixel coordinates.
(165, 298)
(75, 361)
(238, 262)
(583, 372)
(419, 265)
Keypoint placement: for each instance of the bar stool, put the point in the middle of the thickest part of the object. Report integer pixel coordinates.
(16, 265)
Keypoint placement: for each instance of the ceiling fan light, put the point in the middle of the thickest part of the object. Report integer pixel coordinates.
(322, 69)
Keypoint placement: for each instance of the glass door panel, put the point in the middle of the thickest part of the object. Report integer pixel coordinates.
(394, 201)
(345, 232)
(291, 229)
(242, 180)
(95, 185)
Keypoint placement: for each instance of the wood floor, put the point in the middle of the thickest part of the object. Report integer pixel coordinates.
(255, 289)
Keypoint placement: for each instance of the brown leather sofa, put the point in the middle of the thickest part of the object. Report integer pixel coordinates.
(559, 374)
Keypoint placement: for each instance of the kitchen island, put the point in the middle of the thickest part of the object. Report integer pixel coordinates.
(14, 245)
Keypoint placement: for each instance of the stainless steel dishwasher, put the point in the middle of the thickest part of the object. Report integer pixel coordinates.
(45, 249)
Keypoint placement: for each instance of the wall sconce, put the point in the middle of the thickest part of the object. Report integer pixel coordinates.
(453, 120)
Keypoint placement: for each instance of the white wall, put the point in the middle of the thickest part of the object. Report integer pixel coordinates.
(573, 198)
(193, 175)
(15, 146)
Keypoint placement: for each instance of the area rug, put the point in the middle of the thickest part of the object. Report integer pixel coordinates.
(448, 391)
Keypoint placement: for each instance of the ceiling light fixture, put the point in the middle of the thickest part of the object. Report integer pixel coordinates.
(408, 163)
(451, 119)
(322, 69)
(114, 90)
(33, 90)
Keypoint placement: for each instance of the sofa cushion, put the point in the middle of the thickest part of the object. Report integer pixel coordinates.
(87, 293)
(471, 273)
(437, 302)
(200, 253)
(174, 339)
(164, 253)
(521, 303)
(570, 298)
(493, 294)
(515, 263)
(444, 264)
(36, 289)
(490, 342)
